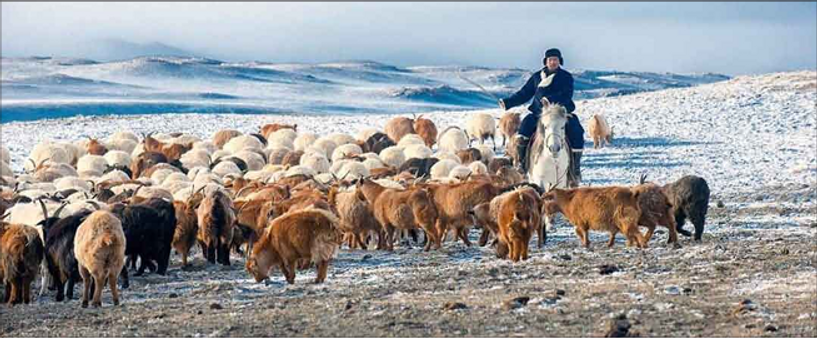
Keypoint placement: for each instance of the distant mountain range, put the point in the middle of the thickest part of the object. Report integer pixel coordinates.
(42, 87)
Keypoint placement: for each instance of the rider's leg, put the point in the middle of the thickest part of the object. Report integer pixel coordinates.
(526, 130)
(575, 136)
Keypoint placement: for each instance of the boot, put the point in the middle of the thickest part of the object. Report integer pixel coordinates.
(575, 172)
(522, 153)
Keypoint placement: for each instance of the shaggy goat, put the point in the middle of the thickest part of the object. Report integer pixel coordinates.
(21, 251)
(398, 127)
(689, 197)
(426, 129)
(216, 220)
(600, 131)
(508, 126)
(99, 246)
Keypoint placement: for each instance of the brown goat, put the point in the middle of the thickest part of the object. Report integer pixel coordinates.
(611, 209)
(268, 129)
(186, 228)
(174, 152)
(307, 235)
(99, 246)
(518, 217)
(407, 210)
(357, 219)
(426, 129)
(656, 209)
(399, 127)
(508, 125)
(216, 220)
(292, 158)
(95, 147)
(469, 155)
(223, 136)
(145, 161)
(21, 251)
(454, 202)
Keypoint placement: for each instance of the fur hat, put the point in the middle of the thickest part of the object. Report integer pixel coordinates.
(554, 52)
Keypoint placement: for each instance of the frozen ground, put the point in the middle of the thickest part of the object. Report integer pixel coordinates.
(751, 138)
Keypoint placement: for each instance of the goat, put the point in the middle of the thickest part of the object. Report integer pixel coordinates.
(518, 217)
(99, 246)
(21, 251)
(689, 197)
(216, 220)
(655, 210)
(310, 234)
(426, 129)
(398, 127)
(481, 126)
(600, 131)
(508, 126)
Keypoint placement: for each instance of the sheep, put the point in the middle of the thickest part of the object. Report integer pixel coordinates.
(316, 162)
(21, 251)
(242, 142)
(419, 167)
(452, 139)
(304, 140)
(373, 163)
(460, 172)
(281, 143)
(221, 137)
(195, 158)
(326, 145)
(342, 139)
(689, 197)
(268, 129)
(398, 127)
(455, 201)
(308, 235)
(5, 155)
(518, 217)
(123, 145)
(419, 151)
(5, 171)
(508, 125)
(612, 209)
(426, 129)
(377, 142)
(216, 220)
(346, 150)
(486, 153)
(478, 168)
(73, 151)
(275, 156)
(253, 160)
(599, 130)
(356, 217)
(73, 182)
(283, 134)
(655, 210)
(124, 135)
(440, 155)
(226, 167)
(393, 156)
(206, 146)
(99, 247)
(442, 168)
(365, 134)
(114, 176)
(54, 171)
(46, 151)
(143, 162)
(411, 139)
(353, 170)
(481, 126)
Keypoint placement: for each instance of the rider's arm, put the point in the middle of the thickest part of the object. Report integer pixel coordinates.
(522, 95)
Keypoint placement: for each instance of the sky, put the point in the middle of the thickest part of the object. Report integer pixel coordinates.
(726, 38)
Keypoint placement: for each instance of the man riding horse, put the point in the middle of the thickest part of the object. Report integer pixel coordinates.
(555, 84)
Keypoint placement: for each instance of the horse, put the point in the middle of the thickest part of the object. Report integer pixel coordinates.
(548, 155)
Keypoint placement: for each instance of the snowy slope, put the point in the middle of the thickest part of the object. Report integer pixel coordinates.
(35, 88)
(740, 135)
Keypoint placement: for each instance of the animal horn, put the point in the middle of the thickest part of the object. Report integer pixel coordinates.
(59, 210)
(42, 162)
(45, 210)
(95, 204)
(33, 164)
(5, 216)
(237, 195)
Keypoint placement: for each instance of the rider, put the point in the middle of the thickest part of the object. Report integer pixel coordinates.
(555, 84)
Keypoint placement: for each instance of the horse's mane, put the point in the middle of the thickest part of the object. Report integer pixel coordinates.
(537, 142)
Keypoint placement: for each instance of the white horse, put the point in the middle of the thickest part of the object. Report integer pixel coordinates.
(549, 157)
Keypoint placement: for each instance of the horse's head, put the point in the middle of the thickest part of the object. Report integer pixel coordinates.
(553, 121)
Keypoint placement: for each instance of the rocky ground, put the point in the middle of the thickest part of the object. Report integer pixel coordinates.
(754, 274)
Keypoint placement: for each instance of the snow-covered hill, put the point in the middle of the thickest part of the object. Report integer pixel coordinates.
(36, 88)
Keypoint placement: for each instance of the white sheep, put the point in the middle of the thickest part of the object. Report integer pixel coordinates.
(304, 140)
(124, 145)
(195, 171)
(365, 134)
(46, 151)
(225, 167)
(481, 126)
(153, 192)
(443, 168)
(300, 170)
(185, 139)
(124, 135)
(176, 186)
(353, 170)
(316, 162)
(452, 139)
(206, 146)
(114, 176)
(393, 156)
(65, 183)
(488, 153)
(5, 155)
(117, 158)
(137, 151)
(275, 156)
(92, 163)
(254, 160)
(220, 154)
(196, 157)
(411, 139)
(326, 145)
(158, 176)
(73, 151)
(281, 143)
(440, 155)
(204, 178)
(478, 168)
(342, 138)
(459, 172)
(345, 150)
(372, 163)
(418, 151)
(284, 134)
(176, 177)
(261, 175)
(242, 142)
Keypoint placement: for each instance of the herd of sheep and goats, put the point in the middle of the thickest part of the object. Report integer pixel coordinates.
(90, 210)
